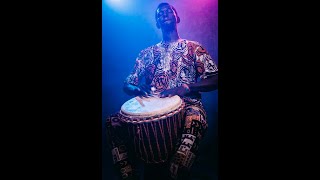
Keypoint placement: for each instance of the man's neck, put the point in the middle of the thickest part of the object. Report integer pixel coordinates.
(170, 36)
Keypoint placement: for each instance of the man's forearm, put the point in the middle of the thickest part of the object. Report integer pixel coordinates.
(127, 89)
(205, 85)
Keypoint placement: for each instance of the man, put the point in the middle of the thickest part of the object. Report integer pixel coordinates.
(174, 66)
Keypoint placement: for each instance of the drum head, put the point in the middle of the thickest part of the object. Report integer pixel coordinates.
(151, 106)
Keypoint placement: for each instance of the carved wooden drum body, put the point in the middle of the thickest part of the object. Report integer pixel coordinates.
(154, 125)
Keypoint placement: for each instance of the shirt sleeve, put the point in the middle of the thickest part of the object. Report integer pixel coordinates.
(205, 66)
(138, 70)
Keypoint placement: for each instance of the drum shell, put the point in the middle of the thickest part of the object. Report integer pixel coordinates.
(153, 139)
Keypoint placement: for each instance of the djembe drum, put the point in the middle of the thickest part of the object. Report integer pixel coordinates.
(154, 125)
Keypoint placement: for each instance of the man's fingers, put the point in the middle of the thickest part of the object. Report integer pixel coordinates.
(146, 88)
(164, 94)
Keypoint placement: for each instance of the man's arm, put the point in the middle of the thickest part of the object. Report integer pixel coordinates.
(205, 85)
(133, 90)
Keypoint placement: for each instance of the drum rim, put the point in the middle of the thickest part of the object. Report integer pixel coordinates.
(154, 112)
(142, 119)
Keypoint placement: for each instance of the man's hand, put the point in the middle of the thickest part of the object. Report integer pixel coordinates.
(180, 91)
(137, 90)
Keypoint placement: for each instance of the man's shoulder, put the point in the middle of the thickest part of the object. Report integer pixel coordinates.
(149, 48)
(148, 51)
(187, 41)
(145, 50)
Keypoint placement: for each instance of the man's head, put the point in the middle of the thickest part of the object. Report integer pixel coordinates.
(166, 16)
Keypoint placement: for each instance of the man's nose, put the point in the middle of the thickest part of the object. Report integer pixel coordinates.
(165, 13)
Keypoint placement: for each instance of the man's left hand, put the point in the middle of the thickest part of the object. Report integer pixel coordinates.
(180, 91)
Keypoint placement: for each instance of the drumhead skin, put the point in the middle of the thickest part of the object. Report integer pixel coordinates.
(151, 106)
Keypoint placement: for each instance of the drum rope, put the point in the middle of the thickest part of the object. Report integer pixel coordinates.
(155, 134)
(144, 147)
(164, 140)
(175, 127)
(169, 130)
(148, 136)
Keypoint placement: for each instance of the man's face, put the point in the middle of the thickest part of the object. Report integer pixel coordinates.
(166, 17)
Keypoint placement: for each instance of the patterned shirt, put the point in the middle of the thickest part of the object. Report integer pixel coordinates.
(169, 65)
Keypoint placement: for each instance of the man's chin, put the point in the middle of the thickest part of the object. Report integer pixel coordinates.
(170, 25)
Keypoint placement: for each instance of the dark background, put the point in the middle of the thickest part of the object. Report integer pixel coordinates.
(129, 27)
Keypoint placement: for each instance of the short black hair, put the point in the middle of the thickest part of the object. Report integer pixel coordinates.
(162, 4)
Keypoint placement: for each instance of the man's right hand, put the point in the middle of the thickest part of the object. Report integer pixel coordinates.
(133, 90)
